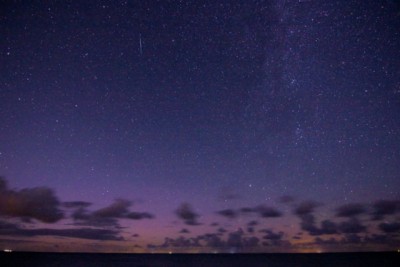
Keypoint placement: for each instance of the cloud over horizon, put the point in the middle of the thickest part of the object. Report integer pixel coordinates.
(351, 223)
(9, 229)
(39, 203)
(186, 213)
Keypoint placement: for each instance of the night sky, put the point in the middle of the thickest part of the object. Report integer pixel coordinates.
(200, 126)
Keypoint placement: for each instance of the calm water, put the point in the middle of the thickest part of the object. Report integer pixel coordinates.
(220, 260)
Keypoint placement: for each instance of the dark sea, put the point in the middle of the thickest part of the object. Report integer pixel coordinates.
(384, 259)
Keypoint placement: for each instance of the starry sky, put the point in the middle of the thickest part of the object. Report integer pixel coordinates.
(200, 126)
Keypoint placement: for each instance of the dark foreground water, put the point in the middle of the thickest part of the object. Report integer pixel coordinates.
(385, 259)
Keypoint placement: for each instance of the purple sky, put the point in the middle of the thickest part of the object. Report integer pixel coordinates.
(200, 126)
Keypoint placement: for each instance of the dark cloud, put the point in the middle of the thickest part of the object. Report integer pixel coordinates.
(83, 233)
(118, 209)
(38, 203)
(184, 231)
(308, 224)
(108, 216)
(271, 235)
(138, 215)
(382, 208)
(252, 224)
(328, 228)
(221, 230)
(228, 213)
(83, 217)
(306, 207)
(390, 227)
(350, 210)
(261, 210)
(212, 241)
(76, 204)
(305, 211)
(352, 226)
(180, 242)
(268, 212)
(275, 239)
(235, 241)
(186, 213)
